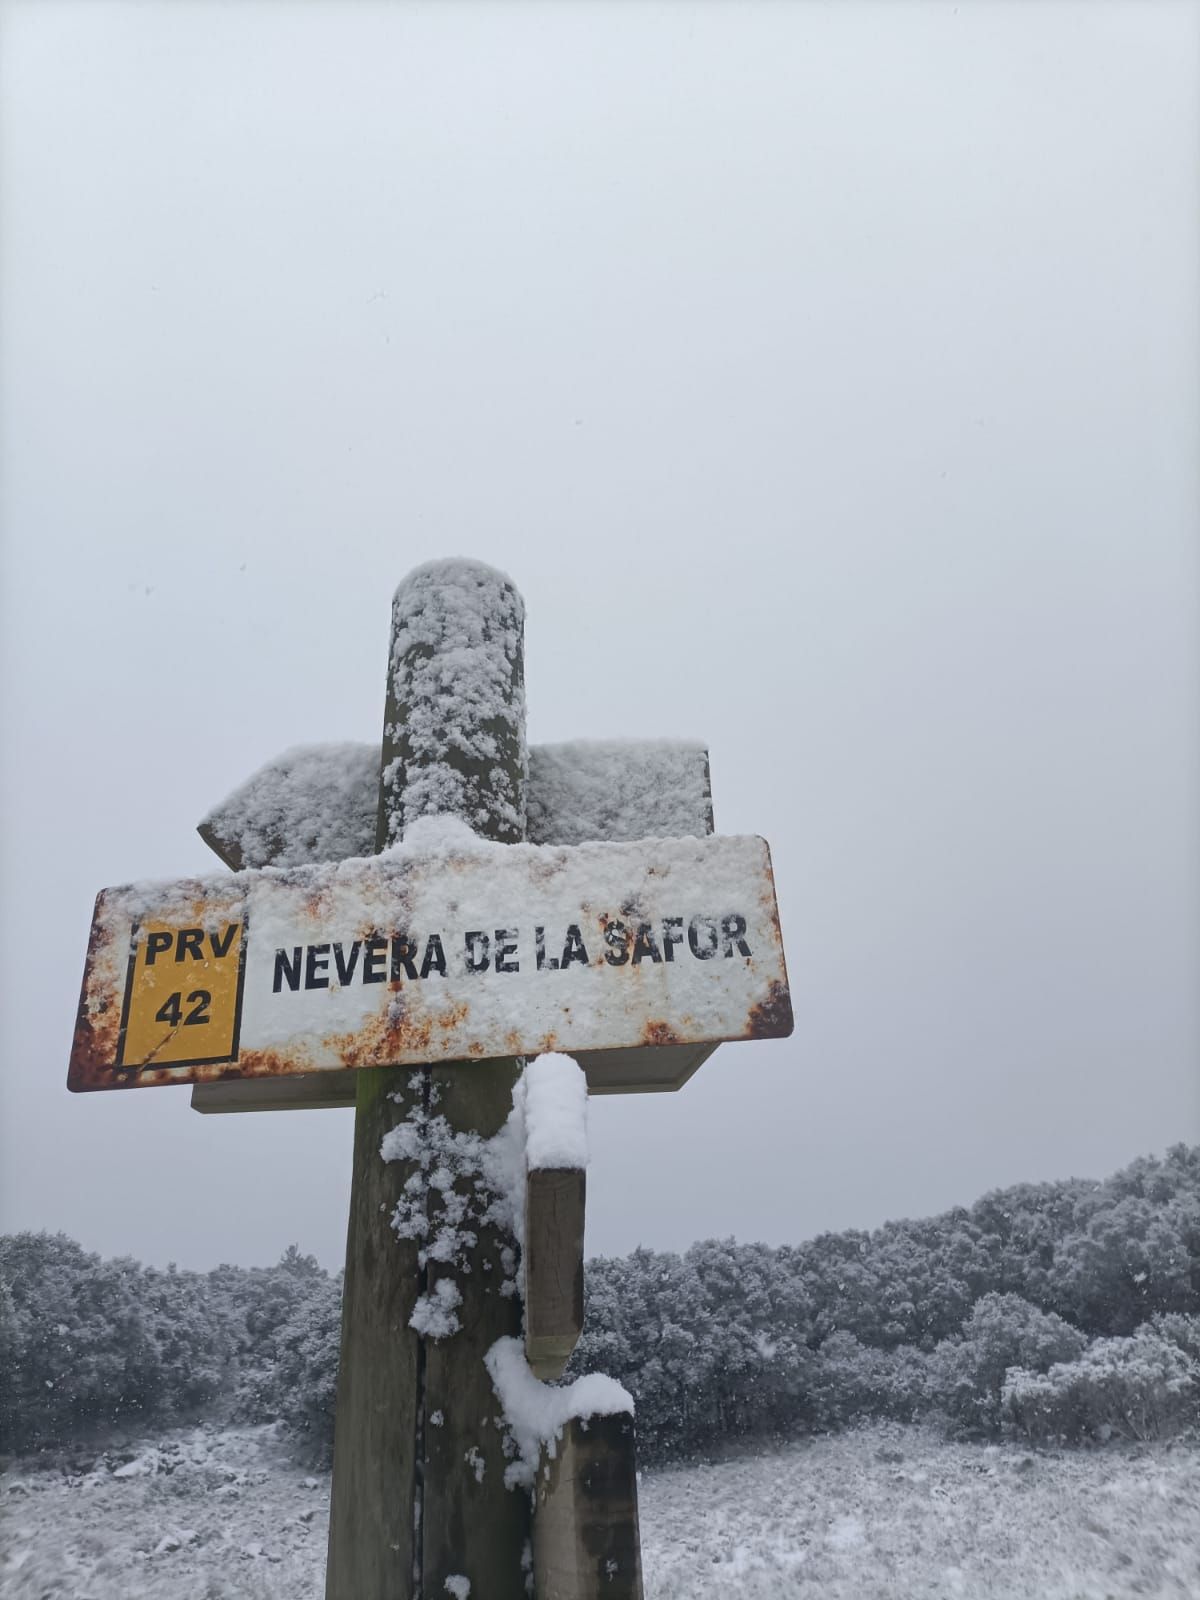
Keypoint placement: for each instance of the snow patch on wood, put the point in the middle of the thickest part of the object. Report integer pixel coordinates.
(536, 1413)
(555, 1091)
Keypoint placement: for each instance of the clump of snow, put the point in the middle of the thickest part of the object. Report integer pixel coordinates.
(458, 1586)
(556, 1097)
(433, 1316)
(460, 1183)
(535, 1413)
(441, 835)
(150, 1461)
(456, 687)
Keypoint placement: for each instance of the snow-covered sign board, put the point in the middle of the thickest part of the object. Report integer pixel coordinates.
(319, 802)
(443, 948)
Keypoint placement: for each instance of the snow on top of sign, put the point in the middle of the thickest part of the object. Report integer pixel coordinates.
(436, 838)
(618, 789)
(439, 839)
(537, 1412)
(555, 1113)
(318, 802)
(456, 673)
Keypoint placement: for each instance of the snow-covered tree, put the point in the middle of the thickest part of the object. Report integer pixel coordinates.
(1003, 1331)
(1142, 1387)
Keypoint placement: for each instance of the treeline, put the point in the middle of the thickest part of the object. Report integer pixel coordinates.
(1062, 1311)
(90, 1345)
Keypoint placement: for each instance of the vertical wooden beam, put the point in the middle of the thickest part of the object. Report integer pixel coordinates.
(585, 1521)
(473, 1527)
(371, 1549)
(418, 1477)
(555, 1103)
(554, 1210)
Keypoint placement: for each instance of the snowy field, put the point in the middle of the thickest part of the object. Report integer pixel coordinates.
(222, 1514)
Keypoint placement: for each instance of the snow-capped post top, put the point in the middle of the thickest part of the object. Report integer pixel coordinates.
(555, 1113)
(454, 724)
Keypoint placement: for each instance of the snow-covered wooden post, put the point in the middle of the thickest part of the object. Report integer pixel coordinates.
(585, 1517)
(419, 1496)
(627, 935)
(555, 1105)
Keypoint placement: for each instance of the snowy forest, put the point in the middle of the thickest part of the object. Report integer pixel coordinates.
(1064, 1313)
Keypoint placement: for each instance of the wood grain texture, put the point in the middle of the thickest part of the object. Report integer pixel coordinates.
(473, 1526)
(374, 1465)
(585, 1525)
(555, 1198)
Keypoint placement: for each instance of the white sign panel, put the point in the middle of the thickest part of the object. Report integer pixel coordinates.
(448, 948)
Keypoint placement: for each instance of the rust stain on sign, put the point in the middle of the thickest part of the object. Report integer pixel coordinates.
(463, 953)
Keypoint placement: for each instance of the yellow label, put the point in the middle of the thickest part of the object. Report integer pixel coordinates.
(182, 995)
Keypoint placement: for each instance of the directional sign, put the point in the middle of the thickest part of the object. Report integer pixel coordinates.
(457, 950)
(318, 802)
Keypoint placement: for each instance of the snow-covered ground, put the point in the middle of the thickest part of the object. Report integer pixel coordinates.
(898, 1513)
(223, 1514)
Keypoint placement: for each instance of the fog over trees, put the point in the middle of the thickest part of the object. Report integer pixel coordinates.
(1065, 1311)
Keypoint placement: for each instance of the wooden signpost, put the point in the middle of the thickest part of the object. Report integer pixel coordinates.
(414, 984)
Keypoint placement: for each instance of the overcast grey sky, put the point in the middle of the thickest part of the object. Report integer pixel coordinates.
(825, 375)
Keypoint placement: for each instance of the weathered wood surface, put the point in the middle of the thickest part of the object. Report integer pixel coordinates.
(473, 1526)
(418, 1475)
(585, 1522)
(554, 1218)
(371, 1552)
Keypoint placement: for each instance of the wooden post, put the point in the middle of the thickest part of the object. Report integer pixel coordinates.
(554, 1211)
(418, 1478)
(585, 1521)
(371, 1522)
